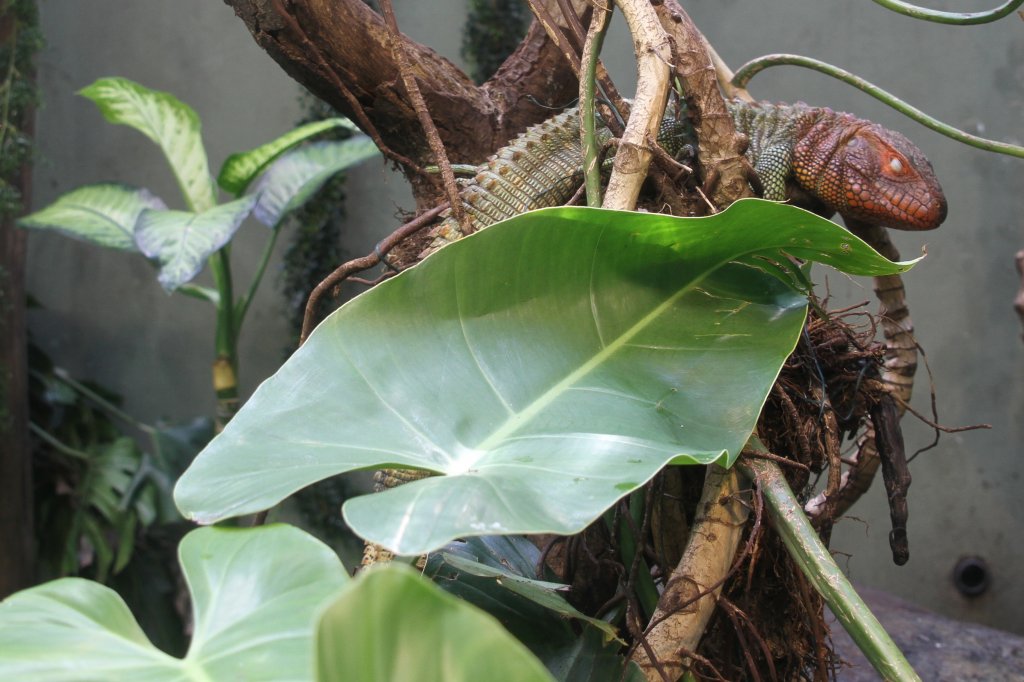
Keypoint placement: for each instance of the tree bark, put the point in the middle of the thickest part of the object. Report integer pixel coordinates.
(16, 559)
(334, 46)
(16, 536)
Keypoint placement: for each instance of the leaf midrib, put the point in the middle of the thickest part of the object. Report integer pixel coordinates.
(525, 415)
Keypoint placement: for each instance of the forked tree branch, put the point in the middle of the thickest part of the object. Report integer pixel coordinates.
(323, 42)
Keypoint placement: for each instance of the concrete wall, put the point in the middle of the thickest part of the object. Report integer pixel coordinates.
(105, 318)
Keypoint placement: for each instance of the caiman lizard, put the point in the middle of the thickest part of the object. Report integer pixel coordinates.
(829, 161)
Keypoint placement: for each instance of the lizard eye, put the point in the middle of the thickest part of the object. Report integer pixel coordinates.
(896, 166)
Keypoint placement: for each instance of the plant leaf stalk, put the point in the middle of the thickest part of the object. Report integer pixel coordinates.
(755, 66)
(814, 560)
(588, 133)
(956, 18)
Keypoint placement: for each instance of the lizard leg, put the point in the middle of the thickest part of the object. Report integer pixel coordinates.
(773, 167)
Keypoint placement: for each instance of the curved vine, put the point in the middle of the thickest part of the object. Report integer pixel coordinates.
(957, 18)
(755, 66)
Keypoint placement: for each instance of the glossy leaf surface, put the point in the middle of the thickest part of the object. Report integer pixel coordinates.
(255, 596)
(170, 123)
(546, 366)
(505, 565)
(394, 626)
(542, 624)
(291, 180)
(104, 214)
(240, 169)
(181, 241)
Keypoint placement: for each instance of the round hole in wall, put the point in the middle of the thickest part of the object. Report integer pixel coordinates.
(971, 576)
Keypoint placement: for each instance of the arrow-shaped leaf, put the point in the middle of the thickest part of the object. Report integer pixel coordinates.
(393, 626)
(293, 178)
(547, 366)
(103, 214)
(255, 594)
(542, 593)
(242, 168)
(167, 121)
(181, 241)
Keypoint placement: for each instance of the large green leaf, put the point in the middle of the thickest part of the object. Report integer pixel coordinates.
(167, 121)
(541, 624)
(292, 179)
(242, 168)
(394, 626)
(103, 214)
(547, 366)
(256, 594)
(181, 241)
(479, 557)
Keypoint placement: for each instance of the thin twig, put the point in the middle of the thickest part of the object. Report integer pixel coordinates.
(360, 264)
(939, 427)
(547, 20)
(419, 105)
(576, 31)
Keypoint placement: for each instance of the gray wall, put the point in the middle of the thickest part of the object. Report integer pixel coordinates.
(106, 319)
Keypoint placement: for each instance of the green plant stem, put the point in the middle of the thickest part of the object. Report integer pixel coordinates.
(225, 366)
(646, 591)
(817, 564)
(958, 18)
(588, 124)
(193, 290)
(755, 66)
(242, 307)
(58, 445)
(104, 404)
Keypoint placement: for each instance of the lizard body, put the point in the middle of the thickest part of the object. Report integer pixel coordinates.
(830, 161)
(854, 167)
(812, 155)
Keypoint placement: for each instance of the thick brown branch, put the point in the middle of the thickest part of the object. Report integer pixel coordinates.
(332, 41)
(721, 150)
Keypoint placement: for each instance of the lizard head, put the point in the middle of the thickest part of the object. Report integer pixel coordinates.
(869, 173)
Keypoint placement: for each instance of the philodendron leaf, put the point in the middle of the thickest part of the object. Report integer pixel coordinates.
(242, 168)
(256, 594)
(294, 177)
(103, 214)
(594, 656)
(546, 366)
(181, 241)
(539, 592)
(167, 121)
(394, 626)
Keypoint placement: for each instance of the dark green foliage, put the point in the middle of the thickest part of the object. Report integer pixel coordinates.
(20, 95)
(492, 32)
(97, 490)
(103, 504)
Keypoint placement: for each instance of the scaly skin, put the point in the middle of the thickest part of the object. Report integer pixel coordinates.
(540, 168)
(850, 166)
(856, 168)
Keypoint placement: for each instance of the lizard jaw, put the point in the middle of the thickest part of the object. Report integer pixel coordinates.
(888, 181)
(869, 173)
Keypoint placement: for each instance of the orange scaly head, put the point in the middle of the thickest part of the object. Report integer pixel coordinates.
(868, 173)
